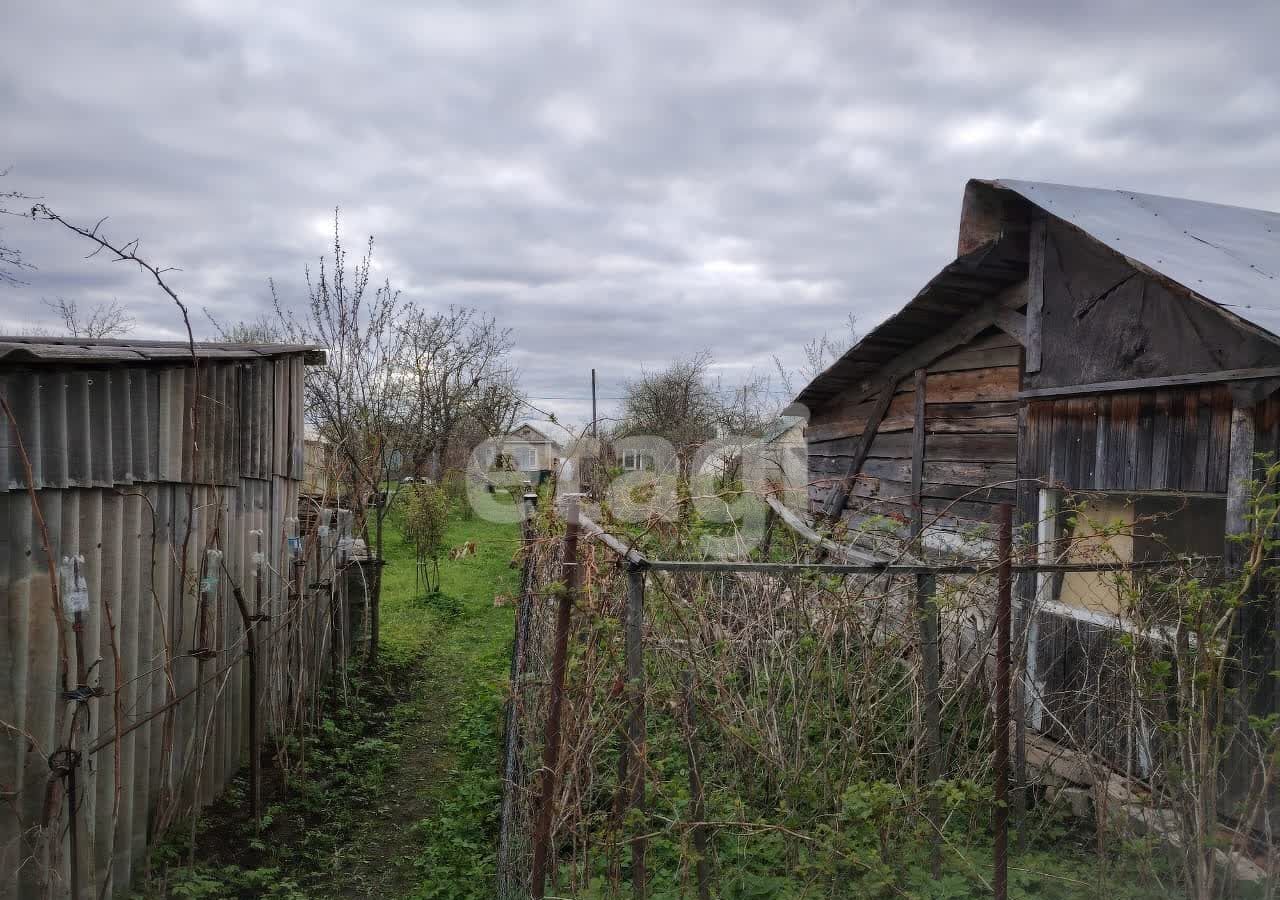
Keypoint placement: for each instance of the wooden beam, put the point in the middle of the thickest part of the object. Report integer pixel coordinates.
(917, 457)
(1239, 478)
(961, 332)
(1035, 290)
(839, 495)
(840, 551)
(1013, 324)
(1164, 381)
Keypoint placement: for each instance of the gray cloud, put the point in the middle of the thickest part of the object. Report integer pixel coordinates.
(619, 183)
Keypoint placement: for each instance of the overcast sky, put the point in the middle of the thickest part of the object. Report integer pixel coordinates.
(617, 182)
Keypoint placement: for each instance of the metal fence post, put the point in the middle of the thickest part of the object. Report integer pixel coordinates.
(635, 725)
(512, 764)
(551, 750)
(1004, 602)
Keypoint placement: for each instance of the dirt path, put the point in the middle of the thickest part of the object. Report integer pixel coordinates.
(400, 796)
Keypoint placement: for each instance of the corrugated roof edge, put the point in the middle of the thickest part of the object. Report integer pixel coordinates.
(42, 349)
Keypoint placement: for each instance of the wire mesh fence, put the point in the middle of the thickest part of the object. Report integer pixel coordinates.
(794, 727)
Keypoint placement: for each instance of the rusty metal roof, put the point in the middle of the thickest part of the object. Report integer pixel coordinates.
(1227, 255)
(40, 349)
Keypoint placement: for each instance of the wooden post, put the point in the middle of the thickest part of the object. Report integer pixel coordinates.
(635, 725)
(1035, 290)
(1004, 602)
(551, 749)
(1240, 474)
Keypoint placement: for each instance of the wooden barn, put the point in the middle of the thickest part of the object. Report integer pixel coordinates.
(1083, 340)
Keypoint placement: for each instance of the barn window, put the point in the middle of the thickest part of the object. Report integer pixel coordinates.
(1119, 527)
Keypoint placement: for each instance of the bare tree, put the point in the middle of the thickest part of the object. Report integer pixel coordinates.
(498, 404)
(679, 404)
(104, 320)
(357, 401)
(819, 354)
(11, 261)
(266, 329)
(455, 363)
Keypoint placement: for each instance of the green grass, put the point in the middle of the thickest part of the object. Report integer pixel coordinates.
(400, 794)
(463, 643)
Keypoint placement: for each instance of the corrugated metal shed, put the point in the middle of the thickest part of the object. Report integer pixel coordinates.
(108, 432)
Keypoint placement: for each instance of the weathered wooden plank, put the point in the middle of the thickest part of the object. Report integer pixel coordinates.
(900, 445)
(935, 472)
(1087, 408)
(992, 425)
(959, 333)
(1200, 452)
(1216, 470)
(1123, 440)
(1063, 443)
(1100, 449)
(1035, 290)
(840, 493)
(1158, 470)
(834, 431)
(917, 453)
(979, 410)
(1145, 440)
(965, 360)
(972, 511)
(1177, 430)
(1164, 381)
(857, 414)
(979, 384)
(1005, 494)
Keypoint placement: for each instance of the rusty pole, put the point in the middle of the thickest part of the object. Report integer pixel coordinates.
(551, 748)
(635, 723)
(1004, 603)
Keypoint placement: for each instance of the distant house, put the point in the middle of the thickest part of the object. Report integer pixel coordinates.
(533, 446)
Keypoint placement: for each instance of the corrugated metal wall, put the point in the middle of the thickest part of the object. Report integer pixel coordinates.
(117, 482)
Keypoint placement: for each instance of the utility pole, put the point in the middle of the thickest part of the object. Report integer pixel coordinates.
(593, 404)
